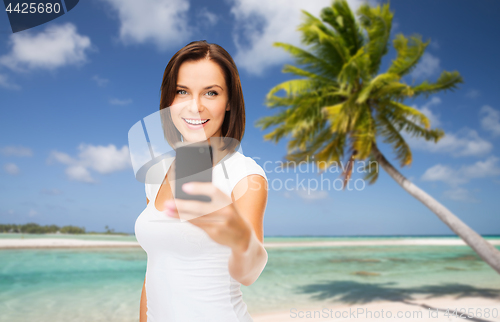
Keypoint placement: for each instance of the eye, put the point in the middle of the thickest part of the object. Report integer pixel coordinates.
(180, 90)
(214, 92)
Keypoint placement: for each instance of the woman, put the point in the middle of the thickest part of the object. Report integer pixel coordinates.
(195, 268)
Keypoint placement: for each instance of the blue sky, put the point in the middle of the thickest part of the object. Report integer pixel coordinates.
(71, 89)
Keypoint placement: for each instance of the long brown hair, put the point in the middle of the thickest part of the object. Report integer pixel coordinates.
(234, 119)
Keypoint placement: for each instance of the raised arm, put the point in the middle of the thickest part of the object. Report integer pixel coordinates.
(250, 198)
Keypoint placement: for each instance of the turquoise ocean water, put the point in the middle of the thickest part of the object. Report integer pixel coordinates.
(104, 284)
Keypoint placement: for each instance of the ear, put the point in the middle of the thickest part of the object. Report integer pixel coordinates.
(228, 108)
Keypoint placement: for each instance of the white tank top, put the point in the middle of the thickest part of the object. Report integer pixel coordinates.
(187, 277)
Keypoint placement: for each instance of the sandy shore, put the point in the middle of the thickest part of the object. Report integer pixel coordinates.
(61, 243)
(387, 242)
(422, 310)
(69, 243)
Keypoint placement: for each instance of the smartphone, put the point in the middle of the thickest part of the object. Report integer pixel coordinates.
(193, 162)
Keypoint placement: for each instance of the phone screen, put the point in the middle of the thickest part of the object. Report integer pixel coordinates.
(193, 162)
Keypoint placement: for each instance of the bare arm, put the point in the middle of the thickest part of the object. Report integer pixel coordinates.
(143, 306)
(250, 198)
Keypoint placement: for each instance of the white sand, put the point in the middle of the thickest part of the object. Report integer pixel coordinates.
(411, 309)
(61, 243)
(386, 242)
(68, 242)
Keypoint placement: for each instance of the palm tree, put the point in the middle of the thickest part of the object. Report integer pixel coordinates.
(341, 104)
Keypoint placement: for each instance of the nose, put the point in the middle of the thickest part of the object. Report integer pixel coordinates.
(196, 107)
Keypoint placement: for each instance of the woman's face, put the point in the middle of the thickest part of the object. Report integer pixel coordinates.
(201, 100)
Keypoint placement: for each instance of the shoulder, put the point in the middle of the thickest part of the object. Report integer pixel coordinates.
(240, 166)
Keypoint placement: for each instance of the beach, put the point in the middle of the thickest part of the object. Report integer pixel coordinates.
(8, 243)
(99, 278)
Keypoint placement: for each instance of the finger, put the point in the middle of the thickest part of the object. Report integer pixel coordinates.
(200, 188)
(170, 209)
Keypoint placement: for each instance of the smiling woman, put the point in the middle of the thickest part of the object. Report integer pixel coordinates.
(206, 74)
(195, 268)
(208, 104)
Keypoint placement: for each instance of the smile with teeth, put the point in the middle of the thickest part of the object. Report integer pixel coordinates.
(195, 121)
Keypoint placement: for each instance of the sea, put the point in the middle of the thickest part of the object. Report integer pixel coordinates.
(105, 284)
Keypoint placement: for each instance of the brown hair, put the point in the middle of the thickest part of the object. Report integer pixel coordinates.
(234, 119)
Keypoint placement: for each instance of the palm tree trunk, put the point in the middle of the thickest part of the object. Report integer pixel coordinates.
(482, 247)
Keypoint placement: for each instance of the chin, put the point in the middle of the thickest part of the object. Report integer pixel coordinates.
(193, 137)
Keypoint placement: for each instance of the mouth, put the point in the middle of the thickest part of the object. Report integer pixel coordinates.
(195, 123)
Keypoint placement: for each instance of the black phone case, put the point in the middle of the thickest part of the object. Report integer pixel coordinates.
(193, 162)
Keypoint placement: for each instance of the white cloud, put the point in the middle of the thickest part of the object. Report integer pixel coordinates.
(116, 101)
(6, 83)
(491, 120)
(102, 159)
(472, 93)
(79, 173)
(17, 151)
(56, 46)
(260, 23)
(442, 173)
(459, 194)
(426, 110)
(455, 177)
(427, 66)
(100, 81)
(465, 142)
(164, 23)
(11, 168)
(435, 44)
(207, 18)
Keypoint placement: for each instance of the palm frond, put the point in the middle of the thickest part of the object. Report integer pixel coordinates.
(391, 136)
(409, 112)
(395, 91)
(314, 31)
(375, 84)
(409, 52)
(402, 123)
(294, 87)
(332, 151)
(370, 168)
(377, 22)
(305, 73)
(311, 62)
(447, 81)
(364, 133)
(354, 70)
(341, 18)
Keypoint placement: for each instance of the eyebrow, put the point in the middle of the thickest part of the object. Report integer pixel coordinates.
(208, 87)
